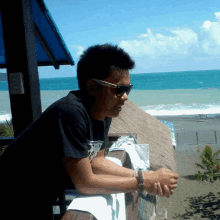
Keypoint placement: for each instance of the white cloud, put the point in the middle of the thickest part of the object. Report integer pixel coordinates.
(210, 36)
(79, 50)
(156, 45)
(217, 15)
(207, 24)
(180, 47)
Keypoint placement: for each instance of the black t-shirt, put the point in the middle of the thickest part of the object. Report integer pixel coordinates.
(32, 162)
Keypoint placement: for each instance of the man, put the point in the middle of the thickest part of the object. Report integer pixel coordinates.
(64, 147)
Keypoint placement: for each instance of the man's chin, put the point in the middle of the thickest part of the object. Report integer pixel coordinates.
(114, 115)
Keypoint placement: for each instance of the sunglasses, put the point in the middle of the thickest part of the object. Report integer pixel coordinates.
(120, 90)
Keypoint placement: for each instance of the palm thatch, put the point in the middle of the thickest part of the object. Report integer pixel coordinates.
(149, 131)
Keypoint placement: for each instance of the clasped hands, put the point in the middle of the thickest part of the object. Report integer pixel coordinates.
(161, 182)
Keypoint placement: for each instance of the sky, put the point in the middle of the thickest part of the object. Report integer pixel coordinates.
(160, 35)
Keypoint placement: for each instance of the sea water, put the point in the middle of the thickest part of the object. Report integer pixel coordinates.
(191, 93)
(159, 94)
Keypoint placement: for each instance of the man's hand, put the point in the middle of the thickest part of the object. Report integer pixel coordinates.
(167, 193)
(162, 178)
(154, 189)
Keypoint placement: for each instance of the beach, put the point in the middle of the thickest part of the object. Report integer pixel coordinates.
(185, 202)
(192, 131)
(191, 199)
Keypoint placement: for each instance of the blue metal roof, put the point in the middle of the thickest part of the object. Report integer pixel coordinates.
(50, 47)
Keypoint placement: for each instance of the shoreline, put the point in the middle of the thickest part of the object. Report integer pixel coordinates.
(191, 133)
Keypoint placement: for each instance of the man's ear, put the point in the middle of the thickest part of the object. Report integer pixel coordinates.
(91, 87)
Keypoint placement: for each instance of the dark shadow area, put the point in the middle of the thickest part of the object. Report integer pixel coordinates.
(190, 177)
(206, 205)
(194, 177)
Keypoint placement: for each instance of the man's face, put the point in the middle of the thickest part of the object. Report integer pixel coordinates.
(109, 103)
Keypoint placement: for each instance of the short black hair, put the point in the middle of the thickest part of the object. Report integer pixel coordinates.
(98, 60)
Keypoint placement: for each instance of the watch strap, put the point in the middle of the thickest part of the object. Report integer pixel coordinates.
(139, 175)
(141, 180)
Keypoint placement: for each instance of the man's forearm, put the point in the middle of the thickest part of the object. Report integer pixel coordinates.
(111, 178)
(105, 166)
(109, 184)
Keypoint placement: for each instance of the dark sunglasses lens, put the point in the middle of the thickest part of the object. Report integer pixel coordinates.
(129, 89)
(122, 89)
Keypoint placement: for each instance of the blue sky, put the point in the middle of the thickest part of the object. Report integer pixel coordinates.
(161, 36)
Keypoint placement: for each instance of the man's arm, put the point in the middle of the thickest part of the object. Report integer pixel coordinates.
(101, 165)
(86, 182)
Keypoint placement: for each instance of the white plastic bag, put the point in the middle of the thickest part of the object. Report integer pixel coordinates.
(144, 154)
(139, 153)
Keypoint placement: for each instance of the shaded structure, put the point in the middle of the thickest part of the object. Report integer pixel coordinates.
(28, 38)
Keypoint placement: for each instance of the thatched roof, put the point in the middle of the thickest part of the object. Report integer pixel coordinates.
(149, 131)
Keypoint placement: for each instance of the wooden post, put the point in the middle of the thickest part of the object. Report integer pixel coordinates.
(21, 63)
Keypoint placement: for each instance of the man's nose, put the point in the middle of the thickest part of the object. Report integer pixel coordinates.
(125, 97)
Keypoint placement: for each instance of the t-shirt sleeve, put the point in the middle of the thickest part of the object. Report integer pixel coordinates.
(74, 131)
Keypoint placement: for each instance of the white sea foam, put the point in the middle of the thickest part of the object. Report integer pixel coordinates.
(194, 110)
(176, 110)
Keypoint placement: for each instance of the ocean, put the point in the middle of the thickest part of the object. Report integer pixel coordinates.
(174, 93)
(191, 93)
(186, 95)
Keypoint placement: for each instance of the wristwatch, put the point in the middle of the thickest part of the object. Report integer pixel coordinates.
(138, 174)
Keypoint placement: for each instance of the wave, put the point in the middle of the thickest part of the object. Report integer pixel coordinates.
(194, 110)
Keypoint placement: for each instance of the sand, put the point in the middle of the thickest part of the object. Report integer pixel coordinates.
(191, 132)
(185, 200)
